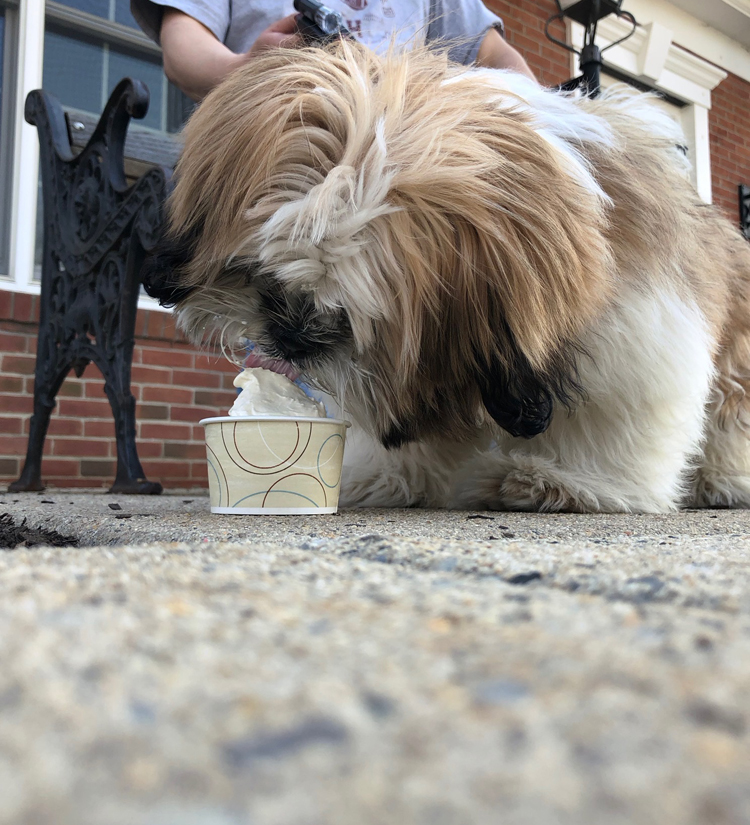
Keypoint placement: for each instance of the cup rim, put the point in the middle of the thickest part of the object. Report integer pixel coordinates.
(236, 418)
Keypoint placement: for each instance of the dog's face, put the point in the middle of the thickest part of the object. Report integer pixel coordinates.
(414, 237)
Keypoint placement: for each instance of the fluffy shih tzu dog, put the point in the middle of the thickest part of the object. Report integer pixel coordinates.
(515, 294)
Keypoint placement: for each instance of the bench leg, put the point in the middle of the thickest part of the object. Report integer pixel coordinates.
(130, 478)
(44, 403)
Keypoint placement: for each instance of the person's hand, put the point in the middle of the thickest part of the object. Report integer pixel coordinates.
(282, 33)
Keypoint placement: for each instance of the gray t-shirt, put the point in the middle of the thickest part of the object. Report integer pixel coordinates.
(461, 24)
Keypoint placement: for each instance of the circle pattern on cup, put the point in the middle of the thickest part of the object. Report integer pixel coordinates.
(274, 464)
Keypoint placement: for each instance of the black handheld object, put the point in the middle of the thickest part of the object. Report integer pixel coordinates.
(317, 23)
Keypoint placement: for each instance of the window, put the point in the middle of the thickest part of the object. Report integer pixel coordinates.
(81, 71)
(90, 45)
(116, 10)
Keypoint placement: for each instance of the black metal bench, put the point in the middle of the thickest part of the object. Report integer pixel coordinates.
(100, 221)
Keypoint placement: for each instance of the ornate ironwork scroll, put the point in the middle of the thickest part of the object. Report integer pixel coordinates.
(97, 232)
(745, 211)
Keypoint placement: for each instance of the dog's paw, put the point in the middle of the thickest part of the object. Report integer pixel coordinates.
(535, 491)
(524, 484)
(719, 490)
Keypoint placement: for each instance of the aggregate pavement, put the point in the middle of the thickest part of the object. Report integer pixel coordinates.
(376, 666)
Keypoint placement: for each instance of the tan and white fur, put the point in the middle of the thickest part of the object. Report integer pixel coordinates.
(515, 294)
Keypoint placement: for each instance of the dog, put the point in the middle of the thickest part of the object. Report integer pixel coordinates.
(514, 293)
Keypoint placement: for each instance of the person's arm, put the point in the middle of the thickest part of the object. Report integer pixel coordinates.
(497, 53)
(195, 61)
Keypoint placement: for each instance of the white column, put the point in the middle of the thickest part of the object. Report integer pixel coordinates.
(653, 55)
(26, 147)
(695, 124)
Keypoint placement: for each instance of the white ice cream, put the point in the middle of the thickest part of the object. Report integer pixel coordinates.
(268, 393)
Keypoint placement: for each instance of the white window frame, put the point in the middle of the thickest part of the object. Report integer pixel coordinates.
(651, 57)
(25, 164)
(30, 26)
(7, 119)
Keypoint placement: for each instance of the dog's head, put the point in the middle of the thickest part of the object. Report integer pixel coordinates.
(424, 238)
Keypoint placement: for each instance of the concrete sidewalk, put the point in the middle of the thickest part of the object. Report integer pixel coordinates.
(373, 667)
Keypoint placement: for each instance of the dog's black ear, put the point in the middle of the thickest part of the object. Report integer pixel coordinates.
(521, 398)
(520, 403)
(160, 273)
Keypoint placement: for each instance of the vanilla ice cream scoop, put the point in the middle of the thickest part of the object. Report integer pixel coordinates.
(268, 393)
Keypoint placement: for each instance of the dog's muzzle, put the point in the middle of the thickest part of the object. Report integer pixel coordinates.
(296, 331)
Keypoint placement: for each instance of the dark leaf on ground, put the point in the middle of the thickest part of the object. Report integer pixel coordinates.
(14, 535)
(524, 578)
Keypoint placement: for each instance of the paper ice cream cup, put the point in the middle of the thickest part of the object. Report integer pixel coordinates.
(272, 465)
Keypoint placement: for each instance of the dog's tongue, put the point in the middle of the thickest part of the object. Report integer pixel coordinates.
(256, 359)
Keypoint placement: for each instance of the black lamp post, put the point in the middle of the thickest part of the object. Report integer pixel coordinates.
(588, 13)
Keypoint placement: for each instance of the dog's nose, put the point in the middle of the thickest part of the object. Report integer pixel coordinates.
(292, 344)
(295, 329)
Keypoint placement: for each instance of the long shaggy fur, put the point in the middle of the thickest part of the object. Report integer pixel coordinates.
(515, 294)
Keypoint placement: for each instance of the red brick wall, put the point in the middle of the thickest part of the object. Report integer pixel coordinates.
(729, 126)
(175, 385)
(524, 29)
